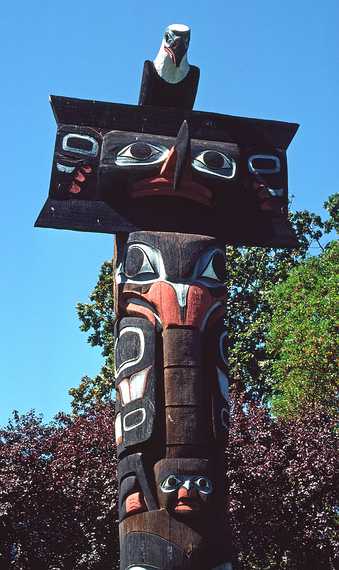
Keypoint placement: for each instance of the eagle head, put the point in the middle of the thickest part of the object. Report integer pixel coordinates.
(176, 41)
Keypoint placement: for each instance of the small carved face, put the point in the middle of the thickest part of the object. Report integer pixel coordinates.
(184, 486)
(186, 493)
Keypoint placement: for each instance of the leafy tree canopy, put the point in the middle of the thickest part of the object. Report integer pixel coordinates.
(302, 335)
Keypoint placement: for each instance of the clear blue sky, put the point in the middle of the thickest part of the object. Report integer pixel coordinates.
(258, 58)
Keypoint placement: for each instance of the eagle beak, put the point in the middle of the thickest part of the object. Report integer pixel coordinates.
(177, 50)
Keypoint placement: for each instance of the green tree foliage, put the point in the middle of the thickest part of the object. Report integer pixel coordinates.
(97, 318)
(302, 335)
(252, 273)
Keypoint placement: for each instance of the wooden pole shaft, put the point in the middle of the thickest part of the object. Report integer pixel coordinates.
(172, 401)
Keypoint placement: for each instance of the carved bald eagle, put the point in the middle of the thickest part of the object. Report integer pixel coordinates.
(169, 80)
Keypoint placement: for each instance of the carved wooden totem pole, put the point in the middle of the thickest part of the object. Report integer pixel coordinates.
(175, 186)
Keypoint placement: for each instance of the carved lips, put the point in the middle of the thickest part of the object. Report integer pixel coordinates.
(188, 501)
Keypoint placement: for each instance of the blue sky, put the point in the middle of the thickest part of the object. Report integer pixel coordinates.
(275, 60)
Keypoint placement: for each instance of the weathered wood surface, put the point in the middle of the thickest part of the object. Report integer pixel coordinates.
(169, 296)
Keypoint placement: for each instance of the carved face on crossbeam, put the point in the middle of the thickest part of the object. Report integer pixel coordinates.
(207, 174)
(201, 172)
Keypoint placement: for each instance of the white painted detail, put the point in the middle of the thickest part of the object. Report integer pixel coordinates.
(118, 428)
(221, 348)
(132, 361)
(179, 28)
(124, 157)
(124, 392)
(63, 168)
(92, 152)
(223, 384)
(146, 264)
(209, 271)
(278, 192)
(203, 265)
(133, 426)
(181, 290)
(224, 415)
(137, 384)
(143, 568)
(273, 170)
(198, 164)
(156, 261)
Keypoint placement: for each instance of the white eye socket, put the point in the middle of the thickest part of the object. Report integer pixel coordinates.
(216, 268)
(215, 163)
(141, 154)
(170, 484)
(203, 485)
(138, 265)
(80, 144)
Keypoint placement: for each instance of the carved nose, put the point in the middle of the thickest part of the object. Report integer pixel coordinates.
(186, 490)
(181, 291)
(179, 157)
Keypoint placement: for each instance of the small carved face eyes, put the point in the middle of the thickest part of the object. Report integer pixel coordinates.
(200, 483)
(172, 483)
(138, 264)
(215, 163)
(141, 154)
(215, 270)
(203, 485)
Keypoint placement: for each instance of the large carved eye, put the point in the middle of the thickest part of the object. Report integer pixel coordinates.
(141, 154)
(216, 268)
(203, 485)
(80, 144)
(215, 163)
(138, 264)
(170, 484)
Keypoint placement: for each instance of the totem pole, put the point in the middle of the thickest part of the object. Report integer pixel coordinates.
(175, 186)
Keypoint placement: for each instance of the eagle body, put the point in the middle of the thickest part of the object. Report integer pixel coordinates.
(161, 93)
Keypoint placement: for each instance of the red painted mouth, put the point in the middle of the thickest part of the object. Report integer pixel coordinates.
(187, 505)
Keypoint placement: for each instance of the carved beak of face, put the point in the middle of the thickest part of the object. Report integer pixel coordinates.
(175, 177)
